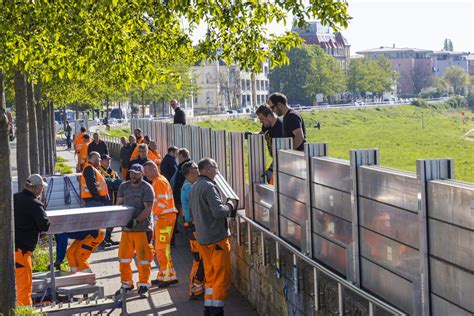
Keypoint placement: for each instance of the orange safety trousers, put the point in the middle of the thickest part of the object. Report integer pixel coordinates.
(123, 173)
(164, 227)
(24, 277)
(196, 277)
(135, 243)
(80, 251)
(217, 270)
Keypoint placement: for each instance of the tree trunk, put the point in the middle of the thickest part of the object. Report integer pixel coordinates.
(47, 149)
(40, 128)
(7, 262)
(33, 137)
(53, 134)
(22, 149)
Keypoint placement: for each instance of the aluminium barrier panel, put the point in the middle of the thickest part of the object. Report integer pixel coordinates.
(450, 223)
(170, 134)
(292, 196)
(237, 166)
(206, 142)
(196, 150)
(178, 135)
(275, 220)
(219, 151)
(389, 236)
(187, 141)
(256, 169)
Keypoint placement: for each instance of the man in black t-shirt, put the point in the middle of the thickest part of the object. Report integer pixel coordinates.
(293, 124)
(272, 127)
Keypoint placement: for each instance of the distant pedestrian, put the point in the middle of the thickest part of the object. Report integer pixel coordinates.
(98, 145)
(168, 165)
(78, 141)
(179, 114)
(293, 124)
(68, 132)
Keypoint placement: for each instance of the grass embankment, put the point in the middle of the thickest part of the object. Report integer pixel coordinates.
(62, 167)
(402, 134)
(119, 132)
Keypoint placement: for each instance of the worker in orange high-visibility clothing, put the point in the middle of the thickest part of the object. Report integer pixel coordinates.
(153, 153)
(30, 221)
(138, 135)
(164, 214)
(83, 153)
(95, 193)
(78, 140)
(136, 236)
(209, 214)
(196, 277)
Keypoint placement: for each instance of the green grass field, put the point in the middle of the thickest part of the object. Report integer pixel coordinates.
(402, 134)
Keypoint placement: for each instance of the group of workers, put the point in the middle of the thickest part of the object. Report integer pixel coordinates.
(159, 189)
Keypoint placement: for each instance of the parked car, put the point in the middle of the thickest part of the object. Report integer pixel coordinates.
(149, 117)
(231, 112)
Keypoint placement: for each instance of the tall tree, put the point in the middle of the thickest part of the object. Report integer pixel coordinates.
(458, 79)
(7, 266)
(448, 45)
(22, 148)
(32, 129)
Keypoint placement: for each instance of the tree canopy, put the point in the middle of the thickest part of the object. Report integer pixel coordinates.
(458, 79)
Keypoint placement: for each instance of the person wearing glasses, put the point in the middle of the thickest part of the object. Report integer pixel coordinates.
(293, 124)
(210, 215)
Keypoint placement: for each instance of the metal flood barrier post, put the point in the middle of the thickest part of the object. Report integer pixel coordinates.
(206, 142)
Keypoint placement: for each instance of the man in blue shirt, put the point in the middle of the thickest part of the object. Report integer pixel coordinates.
(196, 284)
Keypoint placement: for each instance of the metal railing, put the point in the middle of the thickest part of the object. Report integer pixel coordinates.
(342, 284)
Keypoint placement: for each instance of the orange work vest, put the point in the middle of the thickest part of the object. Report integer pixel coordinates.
(163, 202)
(154, 156)
(83, 154)
(134, 153)
(139, 139)
(99, 180)
(79, 141)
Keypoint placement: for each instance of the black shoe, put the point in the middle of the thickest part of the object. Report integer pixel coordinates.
(113, 242)
(155, 282)
(143, 291)
(163, 284)
(127, 289)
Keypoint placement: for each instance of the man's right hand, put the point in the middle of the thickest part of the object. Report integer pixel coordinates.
(233, 207)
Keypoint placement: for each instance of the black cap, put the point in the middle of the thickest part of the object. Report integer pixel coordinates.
(105, 157)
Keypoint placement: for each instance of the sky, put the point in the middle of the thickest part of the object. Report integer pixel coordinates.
(406, 23)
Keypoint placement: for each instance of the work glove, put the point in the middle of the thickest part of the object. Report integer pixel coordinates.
(132, 223)
(233, 207)
(267, 175)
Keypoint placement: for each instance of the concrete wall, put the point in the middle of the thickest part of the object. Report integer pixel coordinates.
(270, 295)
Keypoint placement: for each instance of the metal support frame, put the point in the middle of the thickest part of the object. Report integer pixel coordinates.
(296, 275)
(249, 239)
(316, 289)
(358, 158)
(277, 144)
(310, 150)
(277, 260)
(426, 170)
(263, 248)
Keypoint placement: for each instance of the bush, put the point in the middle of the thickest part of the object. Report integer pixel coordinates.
(23, 311)
(470, 100)
(457, 102)
(420, 103)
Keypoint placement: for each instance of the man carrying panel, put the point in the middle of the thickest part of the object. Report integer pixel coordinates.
(30, 221)
(164, 214)
(210, 215)
(136, 236)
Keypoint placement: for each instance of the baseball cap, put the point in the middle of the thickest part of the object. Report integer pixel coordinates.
(105, 157)
(136, 168)
(35, 179)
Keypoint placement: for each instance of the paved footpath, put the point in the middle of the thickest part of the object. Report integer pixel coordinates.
(170, 301)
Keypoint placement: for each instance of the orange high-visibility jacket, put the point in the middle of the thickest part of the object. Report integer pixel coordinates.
(139, 139)
(164, 202)
(134, 153)
(99, 180)
(79, 141)
(82, 154)
(154, 156)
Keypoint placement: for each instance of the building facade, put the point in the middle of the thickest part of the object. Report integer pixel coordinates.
(223, 87)
(442, 60)
(335, 44)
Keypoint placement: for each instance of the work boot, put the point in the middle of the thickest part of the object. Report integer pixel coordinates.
(143, 291)
(113, 242)
(196, 297)
(126, 287)
(162, 284)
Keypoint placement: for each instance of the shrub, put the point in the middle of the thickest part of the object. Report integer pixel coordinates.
(420, 103)
(457, 102)
(470, 100)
